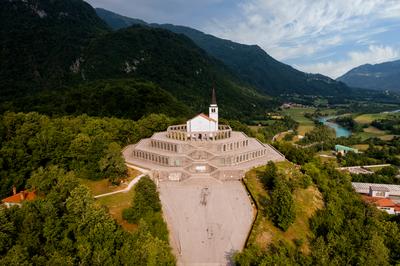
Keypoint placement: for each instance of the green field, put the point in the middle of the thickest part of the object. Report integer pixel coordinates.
(368, 118)
(297, 114)
(370, 131)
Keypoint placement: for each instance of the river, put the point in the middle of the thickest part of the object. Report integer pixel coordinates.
(339, 130)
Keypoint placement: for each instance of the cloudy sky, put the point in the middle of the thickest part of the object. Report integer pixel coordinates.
(319, 36)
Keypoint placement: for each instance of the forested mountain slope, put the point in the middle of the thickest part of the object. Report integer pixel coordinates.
(249, 62)
(384, 76)
(172, 61)
(53, 54)
(40, 40)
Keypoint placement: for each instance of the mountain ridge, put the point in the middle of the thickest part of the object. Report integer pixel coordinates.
(72, 50)
(251, 63)
(382, 76)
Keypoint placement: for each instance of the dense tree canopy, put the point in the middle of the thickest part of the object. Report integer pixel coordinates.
(66, 226)
(90, 146)
(146, 206)
(346, 231)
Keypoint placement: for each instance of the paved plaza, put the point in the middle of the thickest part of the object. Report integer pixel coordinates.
(208, 219)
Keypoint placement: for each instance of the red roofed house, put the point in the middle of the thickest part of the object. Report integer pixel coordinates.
(384, 204)
(397, 209)
(18, 198)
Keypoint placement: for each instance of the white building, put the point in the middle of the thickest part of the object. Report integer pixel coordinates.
(204, 127)
(200, 147)
(201, 123)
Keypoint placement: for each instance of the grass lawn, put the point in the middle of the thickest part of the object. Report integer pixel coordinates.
(103, 186)
(116, 204)
(307, 201)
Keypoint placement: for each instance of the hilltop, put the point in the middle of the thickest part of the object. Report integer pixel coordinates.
(249, 62)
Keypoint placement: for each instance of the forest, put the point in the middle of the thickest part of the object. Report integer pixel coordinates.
(346, 231)
(65, 225)
(89, 146)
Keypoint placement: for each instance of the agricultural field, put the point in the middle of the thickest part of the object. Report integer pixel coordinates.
(368, 118)
(297, 114)
(370, 131)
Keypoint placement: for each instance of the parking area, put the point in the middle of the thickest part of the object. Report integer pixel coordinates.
(208, 219)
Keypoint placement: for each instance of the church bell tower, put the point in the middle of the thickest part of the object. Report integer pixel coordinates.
(213, 110)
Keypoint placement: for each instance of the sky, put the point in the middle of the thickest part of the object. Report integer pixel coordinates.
(317, 36)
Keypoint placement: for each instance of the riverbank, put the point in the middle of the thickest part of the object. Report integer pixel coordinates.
(339, 130)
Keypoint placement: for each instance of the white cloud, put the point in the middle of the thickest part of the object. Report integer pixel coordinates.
(289, 29)
(374, 55)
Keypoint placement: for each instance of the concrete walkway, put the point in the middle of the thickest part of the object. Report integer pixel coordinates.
(209, 220)
(363, 166)
(125, 190)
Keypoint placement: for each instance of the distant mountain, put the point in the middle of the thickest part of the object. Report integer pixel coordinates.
(117, 21)
(249, 62)
(59, 57)
(384, 76)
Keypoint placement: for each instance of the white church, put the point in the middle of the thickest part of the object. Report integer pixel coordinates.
(201, 146)
(203, 123)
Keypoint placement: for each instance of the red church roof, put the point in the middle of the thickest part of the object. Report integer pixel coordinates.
(20, 197)
(205, 116)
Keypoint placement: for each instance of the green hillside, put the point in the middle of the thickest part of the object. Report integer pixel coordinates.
(124, 98)
(59, 57)
(175, 63)
(40, 40)
(249, 62)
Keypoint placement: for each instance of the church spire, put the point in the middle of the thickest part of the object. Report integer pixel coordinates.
(213, 109)
(213, 97)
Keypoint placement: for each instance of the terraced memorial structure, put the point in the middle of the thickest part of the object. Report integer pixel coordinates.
(198, 167)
